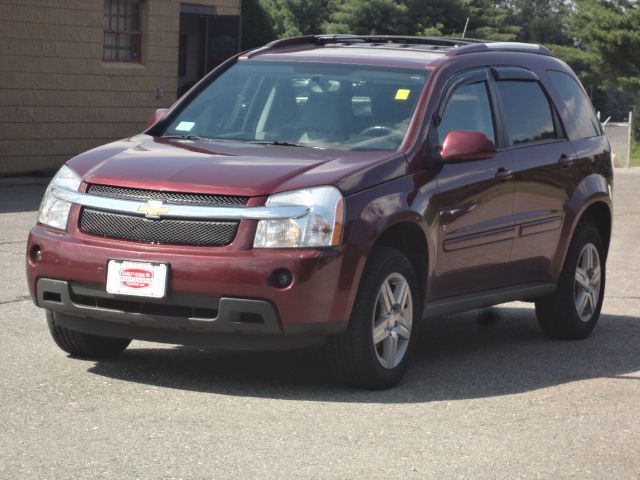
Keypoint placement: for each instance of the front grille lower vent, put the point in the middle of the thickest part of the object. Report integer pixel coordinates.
(167, 231)
(176, 198)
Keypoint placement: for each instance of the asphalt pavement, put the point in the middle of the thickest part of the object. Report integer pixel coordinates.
(487, 397)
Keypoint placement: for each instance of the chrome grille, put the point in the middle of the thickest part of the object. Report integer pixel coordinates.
(165, 231)
(177, 198)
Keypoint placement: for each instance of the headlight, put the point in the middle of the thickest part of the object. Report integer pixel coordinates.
(54, 212)
(320, 227)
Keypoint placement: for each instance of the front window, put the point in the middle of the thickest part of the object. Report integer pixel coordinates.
(469, 108)
(351, 107)
(122, 30)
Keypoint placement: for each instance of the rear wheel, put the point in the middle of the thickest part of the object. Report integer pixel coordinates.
(572, 311)
(375, 350)
(84, 345)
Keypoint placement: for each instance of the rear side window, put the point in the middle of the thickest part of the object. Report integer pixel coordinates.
(528, 114)
(577, 103)
(469, 109)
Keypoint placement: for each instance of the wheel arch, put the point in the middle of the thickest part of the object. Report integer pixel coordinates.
(591, 202)
(599, 215)
(409, 238)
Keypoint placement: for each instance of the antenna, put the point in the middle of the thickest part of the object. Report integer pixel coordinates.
(466, 24)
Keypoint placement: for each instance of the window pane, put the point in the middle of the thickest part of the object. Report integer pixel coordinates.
(528, 116)
(349, 107)
(468, 109)
(577, 103)
(121, 20)
(133, 47)
(134, 17)
(109, 46)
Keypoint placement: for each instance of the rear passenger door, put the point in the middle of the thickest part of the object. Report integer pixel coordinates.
(542, 165)
(475, 198)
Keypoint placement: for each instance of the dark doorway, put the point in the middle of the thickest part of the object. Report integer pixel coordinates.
(206, 40)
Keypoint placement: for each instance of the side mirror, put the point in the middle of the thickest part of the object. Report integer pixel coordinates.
(464, 146)
(156, 115)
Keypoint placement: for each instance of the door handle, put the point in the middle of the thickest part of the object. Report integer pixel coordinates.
(565, 160)
(503, 174)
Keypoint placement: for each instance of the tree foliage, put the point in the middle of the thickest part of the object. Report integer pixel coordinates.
(369, 17)
(291, 18)
(600, 39)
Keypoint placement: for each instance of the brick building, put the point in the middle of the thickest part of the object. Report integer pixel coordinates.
(75, 74)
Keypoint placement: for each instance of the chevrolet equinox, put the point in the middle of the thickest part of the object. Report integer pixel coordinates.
(337, 190)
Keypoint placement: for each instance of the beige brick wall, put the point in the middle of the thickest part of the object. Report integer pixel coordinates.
(58, 98)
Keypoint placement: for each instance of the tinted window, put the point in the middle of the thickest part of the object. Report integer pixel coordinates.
(577, 103)
(468, 109)
(528, 116)
(351, 107)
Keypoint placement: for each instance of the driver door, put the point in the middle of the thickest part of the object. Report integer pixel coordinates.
(475, 199)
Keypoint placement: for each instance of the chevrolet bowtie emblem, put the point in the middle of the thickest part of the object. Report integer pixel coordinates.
(153, 209)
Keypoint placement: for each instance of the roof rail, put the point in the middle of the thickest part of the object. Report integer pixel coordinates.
(399, 39)
(501, 46)
(454, 46)
(355, 39)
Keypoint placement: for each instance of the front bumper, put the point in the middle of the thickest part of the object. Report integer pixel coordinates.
(230, 285)
(238, 324)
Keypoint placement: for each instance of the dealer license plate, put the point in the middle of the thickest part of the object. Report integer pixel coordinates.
(137, 278)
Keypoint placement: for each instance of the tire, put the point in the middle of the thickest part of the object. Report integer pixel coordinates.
(356, 359)
(84, 345)
(572, 311)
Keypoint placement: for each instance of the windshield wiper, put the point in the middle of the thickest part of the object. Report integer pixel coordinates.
(193, 136)
(278, 143)
(190, 136)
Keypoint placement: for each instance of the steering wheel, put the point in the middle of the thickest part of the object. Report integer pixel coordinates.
(376, 131)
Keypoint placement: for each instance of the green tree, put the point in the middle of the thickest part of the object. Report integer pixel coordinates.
(436, 17)
(369, 17)
(491, 20)
(257, 27)
(542, 21)
(290, 18)
(610, 32)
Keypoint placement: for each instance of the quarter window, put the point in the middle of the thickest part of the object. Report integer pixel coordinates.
(528, 114)
(468, 109)
(122, 30)
(577, 104)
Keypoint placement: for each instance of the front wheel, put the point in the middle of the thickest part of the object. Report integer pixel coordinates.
(84, 345)
(375, 350)
(572, 311)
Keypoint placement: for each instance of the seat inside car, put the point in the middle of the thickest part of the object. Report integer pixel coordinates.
(326, 116)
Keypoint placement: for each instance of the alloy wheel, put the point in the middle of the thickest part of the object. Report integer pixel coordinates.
(392, 320)
(588, 282)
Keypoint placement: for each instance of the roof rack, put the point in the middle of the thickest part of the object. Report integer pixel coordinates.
(436, 42)
(397, 39)
(452, 45)
(488, 46)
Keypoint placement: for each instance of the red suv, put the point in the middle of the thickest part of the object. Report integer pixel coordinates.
(335, 189)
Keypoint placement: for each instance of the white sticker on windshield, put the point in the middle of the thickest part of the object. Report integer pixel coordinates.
(185, 126)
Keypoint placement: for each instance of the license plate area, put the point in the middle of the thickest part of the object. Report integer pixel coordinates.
(139, 279)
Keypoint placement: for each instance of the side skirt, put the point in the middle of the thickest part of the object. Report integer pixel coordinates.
(463, 303)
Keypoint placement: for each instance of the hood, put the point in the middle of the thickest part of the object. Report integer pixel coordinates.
(232, 168)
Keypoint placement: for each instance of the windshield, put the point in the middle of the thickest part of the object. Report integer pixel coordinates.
(350, 107)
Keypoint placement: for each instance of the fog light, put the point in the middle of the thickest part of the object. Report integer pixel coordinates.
(35, 254)
(281, 278)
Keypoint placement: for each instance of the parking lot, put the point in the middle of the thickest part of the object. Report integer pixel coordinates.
(487, 397)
